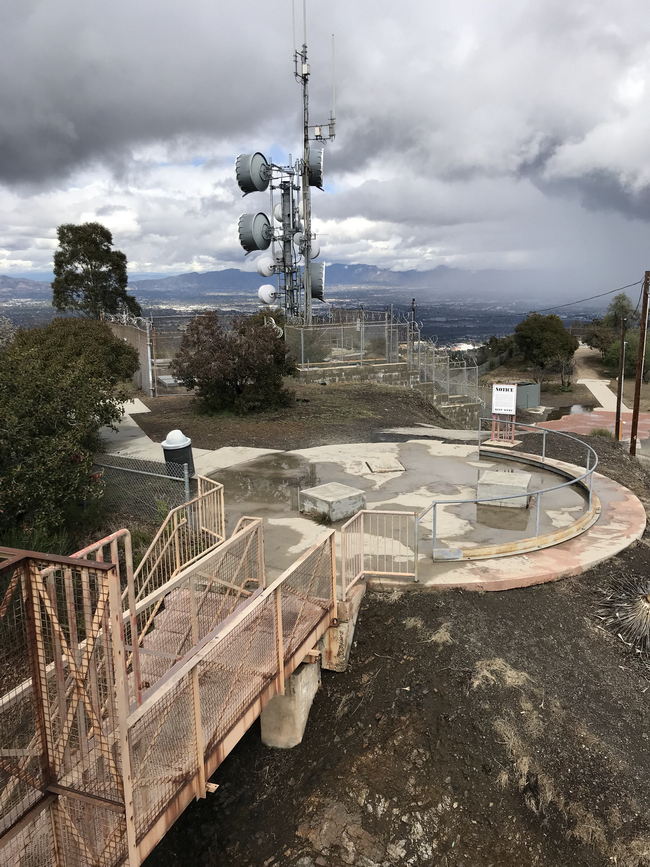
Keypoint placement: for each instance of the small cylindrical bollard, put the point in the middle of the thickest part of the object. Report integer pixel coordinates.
(177, 449)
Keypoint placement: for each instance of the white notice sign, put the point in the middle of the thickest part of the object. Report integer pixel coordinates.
(504, 399)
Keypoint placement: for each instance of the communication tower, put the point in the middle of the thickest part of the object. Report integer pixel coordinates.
(287, 233)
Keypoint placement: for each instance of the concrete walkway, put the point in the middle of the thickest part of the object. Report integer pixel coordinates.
(603, 394)
(590, 377)
(130, 441)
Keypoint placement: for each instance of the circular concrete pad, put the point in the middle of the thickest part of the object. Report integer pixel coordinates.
(622, 522)
(268, 487)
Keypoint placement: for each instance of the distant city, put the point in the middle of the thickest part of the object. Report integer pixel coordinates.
(451, 307)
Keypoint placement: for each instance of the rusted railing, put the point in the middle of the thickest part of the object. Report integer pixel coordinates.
(188, 532)
(62, 782)
(196, 714)
(96, 762)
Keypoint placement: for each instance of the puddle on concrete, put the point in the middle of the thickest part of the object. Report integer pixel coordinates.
(572, 409)
(268, 487)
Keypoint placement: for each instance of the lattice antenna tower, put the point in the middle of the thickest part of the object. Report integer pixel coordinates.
(287, 234)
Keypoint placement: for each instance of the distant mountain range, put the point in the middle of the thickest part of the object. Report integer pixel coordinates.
(493, 286)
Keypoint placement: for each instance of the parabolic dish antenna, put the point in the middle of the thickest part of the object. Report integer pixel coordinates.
(299, 242)
(253, 172)
(267, 293)
(315, 166)
(318, 281)
(254, 232)
(265, 266)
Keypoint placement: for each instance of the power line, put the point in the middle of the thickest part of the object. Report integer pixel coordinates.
(591, 297)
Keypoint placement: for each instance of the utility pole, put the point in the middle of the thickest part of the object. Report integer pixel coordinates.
(640, 363)
(621, 375)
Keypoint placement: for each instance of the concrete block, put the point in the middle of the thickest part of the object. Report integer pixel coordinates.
(504, 483)
(284, 718)
(336, 644)
(334, 500)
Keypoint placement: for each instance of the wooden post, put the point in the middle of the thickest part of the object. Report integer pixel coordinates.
(639, 363)
(122, 710)
(619, 389)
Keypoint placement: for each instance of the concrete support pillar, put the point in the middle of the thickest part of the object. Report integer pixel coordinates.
(285, 717)
(336, 644)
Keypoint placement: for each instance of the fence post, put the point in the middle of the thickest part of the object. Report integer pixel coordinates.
(122, 710)
(416, 540)
(433, 531)
(279, 640)
(38, 665)
(333, 575)
(186, 482)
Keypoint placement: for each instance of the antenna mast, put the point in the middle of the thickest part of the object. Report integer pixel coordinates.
(256, 231)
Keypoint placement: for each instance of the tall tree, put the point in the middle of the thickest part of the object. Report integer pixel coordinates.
(89, 275)
(620, 308)
(545, 342)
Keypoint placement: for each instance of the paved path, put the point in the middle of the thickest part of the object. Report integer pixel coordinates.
(603, 394)
(130, 441)
(590, 377)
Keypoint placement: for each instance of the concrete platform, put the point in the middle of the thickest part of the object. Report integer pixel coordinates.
(336, 501)
(622, 522)
(504, 483)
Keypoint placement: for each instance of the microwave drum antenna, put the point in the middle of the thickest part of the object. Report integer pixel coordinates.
(315, 167)
(318, 281)
(253, 173)
(255, 232)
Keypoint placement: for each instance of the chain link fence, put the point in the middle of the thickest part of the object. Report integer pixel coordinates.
(148, 490)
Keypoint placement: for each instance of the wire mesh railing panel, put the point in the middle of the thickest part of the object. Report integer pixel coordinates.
(236, 671)
(162, 746)
(77, 689)
(20, 744)
(187, 533)
(389, 543)
(88, 834)
(307, 592)
(33, 846)
(170, 624)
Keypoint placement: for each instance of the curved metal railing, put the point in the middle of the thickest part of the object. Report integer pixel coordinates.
(585, 479)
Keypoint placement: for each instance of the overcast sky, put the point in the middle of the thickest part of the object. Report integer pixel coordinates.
(474, 134)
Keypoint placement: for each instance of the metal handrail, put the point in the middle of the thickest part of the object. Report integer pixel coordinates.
(537, 493)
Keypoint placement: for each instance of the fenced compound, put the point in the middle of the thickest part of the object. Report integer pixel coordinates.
(362, 337)
(116, 710)
(137, 331)
(381, 346)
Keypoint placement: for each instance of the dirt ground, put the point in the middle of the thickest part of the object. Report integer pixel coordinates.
(322, 414)
(469, 729)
